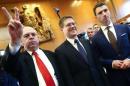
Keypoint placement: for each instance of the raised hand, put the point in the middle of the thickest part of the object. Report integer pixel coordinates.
(15, 27)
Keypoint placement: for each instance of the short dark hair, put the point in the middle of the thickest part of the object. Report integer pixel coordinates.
(99, 4)
(61, 22)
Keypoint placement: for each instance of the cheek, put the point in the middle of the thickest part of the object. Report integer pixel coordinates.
(24, 42)
(65, 31)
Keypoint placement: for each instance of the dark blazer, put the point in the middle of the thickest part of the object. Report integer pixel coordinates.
(5, 78)
(74, 69)
(108, 54)
(21, 66)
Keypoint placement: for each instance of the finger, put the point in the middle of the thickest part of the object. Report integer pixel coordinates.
(16, 13)
(6, 13)
(18, 24)
(11, 26)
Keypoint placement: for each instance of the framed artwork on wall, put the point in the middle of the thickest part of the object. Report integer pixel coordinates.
(38, 21)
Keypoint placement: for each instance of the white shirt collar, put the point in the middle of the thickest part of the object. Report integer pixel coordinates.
(30, 52)
(72, 40)
(104, 27)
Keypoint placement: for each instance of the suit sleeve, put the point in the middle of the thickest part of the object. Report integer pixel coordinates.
(11, 64)
(104, 62)
(128, 30)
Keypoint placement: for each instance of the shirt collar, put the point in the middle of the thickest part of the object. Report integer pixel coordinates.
(30, 52)
(104, 27)
(72, 40)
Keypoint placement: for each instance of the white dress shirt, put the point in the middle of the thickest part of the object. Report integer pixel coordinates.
(103, 28)
(45, 60)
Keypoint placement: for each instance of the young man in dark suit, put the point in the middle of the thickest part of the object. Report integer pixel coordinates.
(112, 43)
(76, 67)
(27, 65)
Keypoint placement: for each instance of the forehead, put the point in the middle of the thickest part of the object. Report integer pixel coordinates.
(101, 8)
(28, 30)
(90, 30)
(68, 20)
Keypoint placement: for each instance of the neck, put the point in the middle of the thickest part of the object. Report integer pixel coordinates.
(106, 23)
(32, 49)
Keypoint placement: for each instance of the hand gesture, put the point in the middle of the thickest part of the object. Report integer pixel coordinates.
(116, 64)
(15, 27)
(126, 64)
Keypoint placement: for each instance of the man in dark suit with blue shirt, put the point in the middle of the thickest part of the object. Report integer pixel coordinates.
(75, 58)
(112, 43)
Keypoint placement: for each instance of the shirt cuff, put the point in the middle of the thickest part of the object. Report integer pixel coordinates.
(14, 48)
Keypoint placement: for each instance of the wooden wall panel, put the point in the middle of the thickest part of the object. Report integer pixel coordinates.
(83, 15)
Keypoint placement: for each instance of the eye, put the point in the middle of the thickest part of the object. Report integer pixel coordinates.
(100, 13)
(26, 36)
(33, 34)
(105, 10)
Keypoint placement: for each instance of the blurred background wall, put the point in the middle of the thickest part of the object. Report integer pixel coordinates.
(81, 10)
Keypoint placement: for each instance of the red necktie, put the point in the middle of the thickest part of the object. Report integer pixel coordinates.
(45, 73)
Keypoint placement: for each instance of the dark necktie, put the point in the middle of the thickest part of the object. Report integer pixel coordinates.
(95, 73)
(44, 71)
(81, 50)
(112, 38)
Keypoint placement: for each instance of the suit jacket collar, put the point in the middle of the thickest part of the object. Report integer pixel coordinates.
(29, 62)
(103, 39)
(76, 54)
(70, 47)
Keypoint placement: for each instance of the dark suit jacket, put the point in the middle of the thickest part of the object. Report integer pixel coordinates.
(108, 54)
(74, 69)
(21, 66)
(5, 78)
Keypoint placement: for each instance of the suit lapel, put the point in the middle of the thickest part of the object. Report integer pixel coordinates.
(51, 59)
(118, 34)
(87, 47)
(30, 65)
(69, 47)
(103, 39)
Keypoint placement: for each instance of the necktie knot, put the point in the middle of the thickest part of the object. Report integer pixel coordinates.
(34, 53)
(108, 27)
(76, 41)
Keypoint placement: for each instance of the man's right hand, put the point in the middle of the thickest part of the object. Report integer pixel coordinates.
(15, 27)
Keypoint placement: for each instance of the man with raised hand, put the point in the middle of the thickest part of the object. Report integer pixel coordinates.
(32, 66)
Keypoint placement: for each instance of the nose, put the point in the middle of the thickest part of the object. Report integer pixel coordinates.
(72, 25)
(31, 36)
(104, 13)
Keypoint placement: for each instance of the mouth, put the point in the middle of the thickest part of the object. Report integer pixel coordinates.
(73, 28)
(32, 42)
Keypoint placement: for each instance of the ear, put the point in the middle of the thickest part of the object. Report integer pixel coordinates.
(22, 43)
(61, 29)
